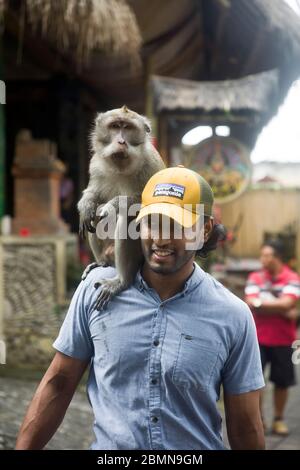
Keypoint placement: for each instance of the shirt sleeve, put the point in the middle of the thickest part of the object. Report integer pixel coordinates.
(252, 287)
(292, 288)
(242, 371)
(74, 337)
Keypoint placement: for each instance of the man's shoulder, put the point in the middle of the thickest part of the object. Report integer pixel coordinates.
(290, 275)
(230, 303)
(256, 277)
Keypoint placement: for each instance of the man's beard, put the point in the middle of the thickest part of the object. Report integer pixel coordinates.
(162, 269)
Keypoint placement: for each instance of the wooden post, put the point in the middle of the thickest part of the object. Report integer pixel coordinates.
(2, 161)
(2, 200)
(163, 139)
(2, 136)
(149, 100)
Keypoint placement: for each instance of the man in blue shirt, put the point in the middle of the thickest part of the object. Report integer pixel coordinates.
(161, 350)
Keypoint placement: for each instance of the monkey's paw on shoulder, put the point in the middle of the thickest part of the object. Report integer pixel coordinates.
(108, 209)
(85, 227)
(87, 221)
(92, 266)
(110, 288)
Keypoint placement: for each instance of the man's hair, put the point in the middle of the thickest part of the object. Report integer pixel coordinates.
(277, 247)
(218, 234)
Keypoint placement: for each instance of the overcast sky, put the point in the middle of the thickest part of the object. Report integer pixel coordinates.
(280, 139)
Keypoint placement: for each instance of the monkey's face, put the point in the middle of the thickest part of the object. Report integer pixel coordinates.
(119, 140)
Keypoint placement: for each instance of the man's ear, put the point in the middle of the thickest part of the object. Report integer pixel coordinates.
(208, 227)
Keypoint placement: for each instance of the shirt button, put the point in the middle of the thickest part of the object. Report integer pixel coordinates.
(154, 381)
(156, 342)
(154, 419)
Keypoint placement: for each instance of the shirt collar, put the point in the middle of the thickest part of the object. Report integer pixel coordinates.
(278, 276)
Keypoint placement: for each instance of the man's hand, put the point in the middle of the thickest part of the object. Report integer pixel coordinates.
(252, 302)
(292, 314)
(281, 306)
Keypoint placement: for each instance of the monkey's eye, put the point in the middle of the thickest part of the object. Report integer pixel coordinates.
(114, 125)
(128, 126)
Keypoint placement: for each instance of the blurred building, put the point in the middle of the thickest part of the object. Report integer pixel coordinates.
(183, 63)
(55, 95)
(277, 174)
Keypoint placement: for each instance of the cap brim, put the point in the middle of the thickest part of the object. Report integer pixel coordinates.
(182, 216)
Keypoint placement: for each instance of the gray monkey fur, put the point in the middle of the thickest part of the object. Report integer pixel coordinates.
(111, 176)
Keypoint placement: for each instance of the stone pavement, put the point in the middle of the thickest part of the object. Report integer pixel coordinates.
(291, 442)
(76, 429)
(15, 395)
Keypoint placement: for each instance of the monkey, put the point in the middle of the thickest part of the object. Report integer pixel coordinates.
(122, 162)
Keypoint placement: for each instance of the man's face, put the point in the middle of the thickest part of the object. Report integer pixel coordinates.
(267, 257)
(163, 250)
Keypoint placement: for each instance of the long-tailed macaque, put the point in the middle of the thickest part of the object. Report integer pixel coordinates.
(123, 160)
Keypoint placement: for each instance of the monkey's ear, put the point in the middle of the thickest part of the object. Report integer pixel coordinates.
(99, 118)
(147, 125)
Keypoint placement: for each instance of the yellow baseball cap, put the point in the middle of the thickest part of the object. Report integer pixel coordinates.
(176, 192)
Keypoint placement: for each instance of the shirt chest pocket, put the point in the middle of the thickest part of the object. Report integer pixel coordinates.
(195, 362)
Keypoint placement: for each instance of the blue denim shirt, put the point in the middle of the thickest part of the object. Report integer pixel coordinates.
(157, 366)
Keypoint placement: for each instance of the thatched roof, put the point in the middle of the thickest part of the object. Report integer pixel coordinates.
(254, 93)
(207, 40)
(200, 40)
(266, 32)
(80, 27)
(280, 17)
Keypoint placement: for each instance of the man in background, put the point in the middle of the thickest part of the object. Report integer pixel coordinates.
(272, 294)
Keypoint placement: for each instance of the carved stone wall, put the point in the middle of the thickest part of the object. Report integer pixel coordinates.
(34, 281)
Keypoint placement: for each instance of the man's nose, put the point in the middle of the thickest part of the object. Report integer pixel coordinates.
(160, 240)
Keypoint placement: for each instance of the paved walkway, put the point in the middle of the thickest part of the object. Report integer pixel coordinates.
(76, 429)
(291, 442)
(74, 433)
